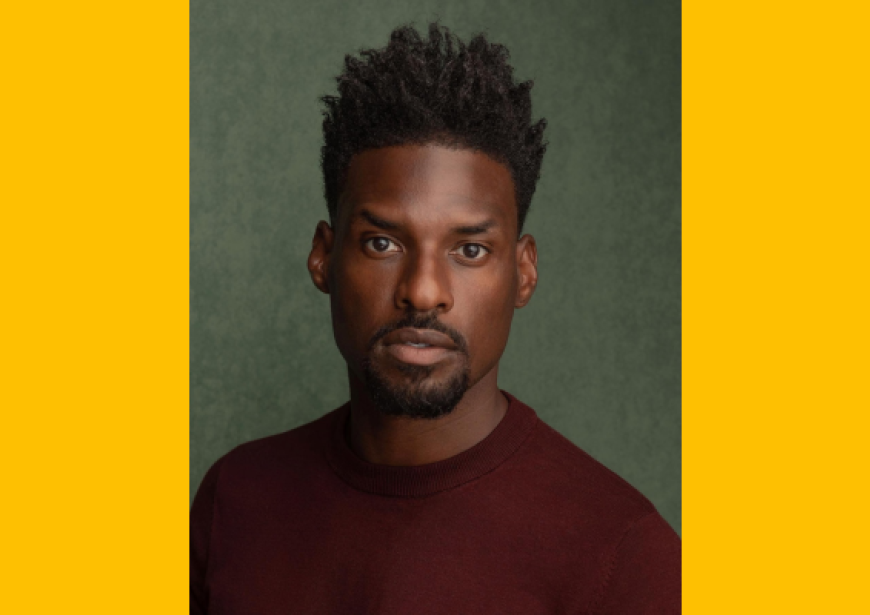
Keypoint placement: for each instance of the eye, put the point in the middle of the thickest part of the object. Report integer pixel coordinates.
(381, 245)
(473, 251)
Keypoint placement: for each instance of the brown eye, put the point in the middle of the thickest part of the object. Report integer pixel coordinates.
(472, 251)
(381, 244)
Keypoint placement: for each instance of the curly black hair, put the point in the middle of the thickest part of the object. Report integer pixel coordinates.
(438, 91)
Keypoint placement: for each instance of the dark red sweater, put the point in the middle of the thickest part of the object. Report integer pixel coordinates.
(523, 522)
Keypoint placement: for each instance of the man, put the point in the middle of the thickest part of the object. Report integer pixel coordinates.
(431, 490)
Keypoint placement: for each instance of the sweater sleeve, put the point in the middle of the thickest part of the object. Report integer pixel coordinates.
(646, 571)
(201, 516)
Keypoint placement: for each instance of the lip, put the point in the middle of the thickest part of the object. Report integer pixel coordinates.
(430, 337)
(417, 356)
(439, 346)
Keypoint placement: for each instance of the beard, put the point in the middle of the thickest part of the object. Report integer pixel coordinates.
(418, 394)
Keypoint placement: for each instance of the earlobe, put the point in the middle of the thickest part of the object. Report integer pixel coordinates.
(527, 270)
(321, 252)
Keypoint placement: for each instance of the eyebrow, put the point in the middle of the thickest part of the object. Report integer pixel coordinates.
(475, 229)
(378, 222)
(469, 229)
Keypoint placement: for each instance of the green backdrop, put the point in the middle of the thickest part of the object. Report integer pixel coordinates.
(596, 353)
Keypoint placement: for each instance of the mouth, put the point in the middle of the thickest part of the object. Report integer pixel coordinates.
(417, 355)
(419, 346)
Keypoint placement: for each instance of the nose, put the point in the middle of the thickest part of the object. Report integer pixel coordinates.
(424, 285)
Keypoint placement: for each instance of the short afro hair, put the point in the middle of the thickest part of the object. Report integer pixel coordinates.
(438, 91)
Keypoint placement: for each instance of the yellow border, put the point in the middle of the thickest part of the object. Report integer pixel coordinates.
(775, 307)
(94, 247)
(93, 243)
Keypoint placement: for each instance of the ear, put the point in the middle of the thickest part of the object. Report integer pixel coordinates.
(527, 270)
(321, 251)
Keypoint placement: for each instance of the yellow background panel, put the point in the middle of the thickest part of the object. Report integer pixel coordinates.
(775, 307)
(94, 275)
(93, 239)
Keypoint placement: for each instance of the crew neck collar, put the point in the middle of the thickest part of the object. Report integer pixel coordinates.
(431, 478)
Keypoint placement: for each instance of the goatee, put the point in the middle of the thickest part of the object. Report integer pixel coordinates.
(418, 396)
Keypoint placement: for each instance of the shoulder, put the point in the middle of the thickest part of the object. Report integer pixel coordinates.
(551, 469)
(568, 467)
(251, 467)
(638, 554)
(642, 573)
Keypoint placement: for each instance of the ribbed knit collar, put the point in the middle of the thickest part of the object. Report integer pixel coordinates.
(424, 480)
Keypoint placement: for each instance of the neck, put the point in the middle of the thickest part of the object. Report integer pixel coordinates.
(403, 441)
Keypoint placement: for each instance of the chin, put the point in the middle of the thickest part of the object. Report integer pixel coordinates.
(415, 391)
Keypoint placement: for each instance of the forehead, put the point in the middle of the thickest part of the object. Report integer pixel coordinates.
(428, 183)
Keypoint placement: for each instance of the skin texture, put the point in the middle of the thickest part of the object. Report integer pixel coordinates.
(435, 260)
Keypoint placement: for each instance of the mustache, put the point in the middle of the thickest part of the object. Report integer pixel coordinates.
(418, 320)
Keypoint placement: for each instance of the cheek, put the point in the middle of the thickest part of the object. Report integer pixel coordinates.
(358, 301)
(490, 309)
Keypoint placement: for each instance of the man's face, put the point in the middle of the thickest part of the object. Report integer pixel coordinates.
(424, 272)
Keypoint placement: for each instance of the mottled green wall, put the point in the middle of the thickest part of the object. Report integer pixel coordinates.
(596, 353)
